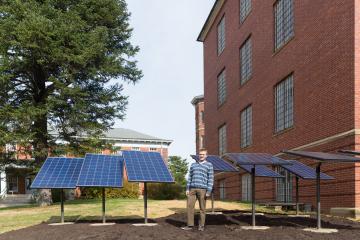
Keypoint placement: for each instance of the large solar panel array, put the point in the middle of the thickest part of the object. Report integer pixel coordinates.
(254, 159)
(219, 164)
(320, 156)
(146, 167)
(262, 171)
(303, 171)
(101, 171)
(58, 172)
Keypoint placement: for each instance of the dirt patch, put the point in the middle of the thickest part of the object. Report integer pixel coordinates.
(226, 226)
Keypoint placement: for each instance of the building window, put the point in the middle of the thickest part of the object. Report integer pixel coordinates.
(221, 35)
(202, 116)
(222, 190)
(284, 186)
(245, 8)
(135, 148)
(202, 141)
(246, 61)
(284, 22)
(284, 101)
(222, 140)
(221, 88)
(246, 127)
(246, 187)
(12, 184)
(153, 149)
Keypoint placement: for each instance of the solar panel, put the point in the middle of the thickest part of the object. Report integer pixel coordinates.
(262, 171)
(101, 171)
(58, 172)
(146, 167)
(303, 171)
(219, 164)
(350, 152)
(324, 156)
(254, 159)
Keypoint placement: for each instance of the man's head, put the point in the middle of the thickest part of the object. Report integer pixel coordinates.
(202, 154)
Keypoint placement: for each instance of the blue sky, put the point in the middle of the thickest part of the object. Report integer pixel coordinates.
(172, 63)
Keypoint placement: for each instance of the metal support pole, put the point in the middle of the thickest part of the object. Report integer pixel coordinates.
(318, 210)
(103, 206)
(212, 202)
(253, 194)
(62, 205)
(145, 203)
(297, 195)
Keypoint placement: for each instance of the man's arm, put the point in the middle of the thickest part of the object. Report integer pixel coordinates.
(210, 182)
(189, 179)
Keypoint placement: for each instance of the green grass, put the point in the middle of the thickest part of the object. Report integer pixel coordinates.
(13, 218)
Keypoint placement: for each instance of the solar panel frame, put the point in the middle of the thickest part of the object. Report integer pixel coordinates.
(254, 159)
(305, 172)
(218, 163)
(324, 157)
(353, 152)
(58, 173)
(261, 171)
(146, 167)
(102, 171)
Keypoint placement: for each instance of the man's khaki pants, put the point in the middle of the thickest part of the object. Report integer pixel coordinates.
(200, 194)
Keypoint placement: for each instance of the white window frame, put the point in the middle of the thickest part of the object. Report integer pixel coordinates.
(246, 61)
(221, 35)
(222, 139)
(246, 190)
(246, 126)
(245, 9)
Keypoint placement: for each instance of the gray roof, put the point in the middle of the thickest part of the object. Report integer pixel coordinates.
(197, 99)
(128, 134)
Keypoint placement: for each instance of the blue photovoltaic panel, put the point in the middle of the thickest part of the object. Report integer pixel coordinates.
(321, 156)
(219, 164)
(305, 172)
(146, 167)
(101, 171)
(58, 172)
(262, 171)
(254, 159)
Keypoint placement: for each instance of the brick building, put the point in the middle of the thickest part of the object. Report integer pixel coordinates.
(198, 103)
(15, 180)
(284, 74)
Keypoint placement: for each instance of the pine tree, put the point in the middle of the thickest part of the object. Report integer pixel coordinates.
(62, 68)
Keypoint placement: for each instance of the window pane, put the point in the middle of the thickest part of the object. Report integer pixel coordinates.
(222, 140)
(284, 104)
(246, 127)
(221, 35)
(246, 61)
(221, 88)
(284, 22)
(245, 8)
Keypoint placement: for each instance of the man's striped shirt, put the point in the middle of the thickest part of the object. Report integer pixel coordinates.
(201, 175)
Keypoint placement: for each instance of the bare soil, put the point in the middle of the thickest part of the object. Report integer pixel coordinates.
(226, 226)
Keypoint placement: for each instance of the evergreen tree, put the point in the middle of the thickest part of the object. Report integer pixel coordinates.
(179, 169)
(62, 66)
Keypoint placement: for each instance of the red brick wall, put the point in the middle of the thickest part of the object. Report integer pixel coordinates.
(321, 57)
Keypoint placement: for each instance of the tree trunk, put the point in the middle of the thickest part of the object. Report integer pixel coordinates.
(40, 130)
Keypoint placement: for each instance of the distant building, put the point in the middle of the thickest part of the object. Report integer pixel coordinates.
(16, 180)
(198, 103)
(283, 74)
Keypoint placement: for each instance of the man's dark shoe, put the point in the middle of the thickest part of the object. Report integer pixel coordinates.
(201, 228)
(187, 228)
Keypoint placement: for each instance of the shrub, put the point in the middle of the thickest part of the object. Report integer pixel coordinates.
(165, 191)
(129, 190)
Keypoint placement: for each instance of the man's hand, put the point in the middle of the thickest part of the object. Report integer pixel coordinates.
(208, 194)
(187, 193)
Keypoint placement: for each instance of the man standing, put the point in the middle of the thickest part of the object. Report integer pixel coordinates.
(199, 186)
